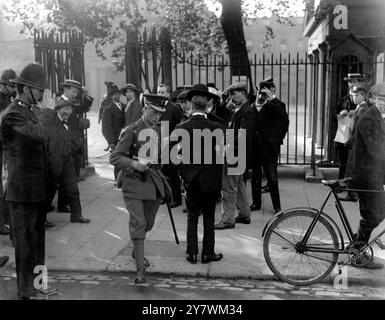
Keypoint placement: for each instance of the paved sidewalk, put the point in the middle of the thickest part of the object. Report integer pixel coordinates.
(104, 244)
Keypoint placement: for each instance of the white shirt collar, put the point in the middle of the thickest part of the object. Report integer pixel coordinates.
(197, 113)
(64, 97)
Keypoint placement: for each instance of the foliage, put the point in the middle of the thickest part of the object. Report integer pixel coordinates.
(192, 26)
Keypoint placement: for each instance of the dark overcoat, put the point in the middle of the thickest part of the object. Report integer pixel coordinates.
(113, 122)
(24, 134)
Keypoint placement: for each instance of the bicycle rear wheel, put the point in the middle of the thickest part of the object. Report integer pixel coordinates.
(286, 262)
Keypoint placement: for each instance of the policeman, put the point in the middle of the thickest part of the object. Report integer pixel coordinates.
(23, 134)
(7, 93)
(143, 185)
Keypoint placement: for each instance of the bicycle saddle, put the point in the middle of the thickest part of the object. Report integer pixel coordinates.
(336, 183)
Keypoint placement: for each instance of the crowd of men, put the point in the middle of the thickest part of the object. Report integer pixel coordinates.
(42, 150)
(145, 186)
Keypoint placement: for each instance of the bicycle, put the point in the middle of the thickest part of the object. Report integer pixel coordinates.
(308, 241)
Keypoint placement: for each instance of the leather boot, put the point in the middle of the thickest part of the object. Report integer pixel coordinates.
(139, 259)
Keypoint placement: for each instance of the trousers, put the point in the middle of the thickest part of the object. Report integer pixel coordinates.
(142, 216)
(27, 222)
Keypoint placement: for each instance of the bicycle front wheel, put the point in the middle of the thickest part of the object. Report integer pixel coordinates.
(288, 263)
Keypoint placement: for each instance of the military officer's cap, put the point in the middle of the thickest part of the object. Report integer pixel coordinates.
(378, 89)
(155, 101)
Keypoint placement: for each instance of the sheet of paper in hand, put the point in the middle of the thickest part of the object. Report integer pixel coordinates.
(343, 129)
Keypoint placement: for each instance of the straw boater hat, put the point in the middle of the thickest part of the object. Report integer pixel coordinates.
(71, 83)
(354, 76)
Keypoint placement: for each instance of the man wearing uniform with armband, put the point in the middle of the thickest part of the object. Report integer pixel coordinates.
(143, 185)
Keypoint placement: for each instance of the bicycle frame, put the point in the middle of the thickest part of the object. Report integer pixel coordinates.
(345, 222)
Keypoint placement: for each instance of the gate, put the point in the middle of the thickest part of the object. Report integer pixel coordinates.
(62, 55)
(309, 84)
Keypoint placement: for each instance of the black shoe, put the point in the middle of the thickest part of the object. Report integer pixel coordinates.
(206, 258)
(185, 210)
(36, 296)
(244, 220)
(265, 189)
(80, 220)
(255, 207)
(65, 209)
(175, 204)
(3, 260)
(221, 226)
(4, 230)
(192, 258)
(348, 198)
(48, 224)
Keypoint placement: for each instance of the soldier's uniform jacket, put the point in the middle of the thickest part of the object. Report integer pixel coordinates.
(137, 185)
(24, 169)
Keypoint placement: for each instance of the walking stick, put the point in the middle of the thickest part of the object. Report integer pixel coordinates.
(172, 221)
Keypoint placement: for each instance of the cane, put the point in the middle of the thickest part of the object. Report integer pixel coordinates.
(172, 220)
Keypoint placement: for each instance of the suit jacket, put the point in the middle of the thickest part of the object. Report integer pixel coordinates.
(207, 176)
(244, 118)
(113, 122)
(357, 115)
(60, 144)
(368, 152)
(133, 112)
(266, 141)
(136, 185)
(281, 121)
(74, 125)
(24, 133)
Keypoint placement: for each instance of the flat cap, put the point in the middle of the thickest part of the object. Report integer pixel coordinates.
(378, 89)
(237, 86)
(129, 86)
(63, 103)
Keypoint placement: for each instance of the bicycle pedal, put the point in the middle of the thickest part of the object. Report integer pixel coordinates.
(380, 244)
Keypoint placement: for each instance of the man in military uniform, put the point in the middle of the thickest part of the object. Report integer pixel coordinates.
(7, 93)
(23, 133)
(143, 185)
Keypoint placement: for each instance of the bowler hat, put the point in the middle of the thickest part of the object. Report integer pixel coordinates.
(129, 86)
(33, 75)
(182, 96)
(360, 89)
(378, 89)
(71, 83)
(354, 76)
(7, 75)
(63, 103)
(200, 90)
(237, 86)
(155, 101)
